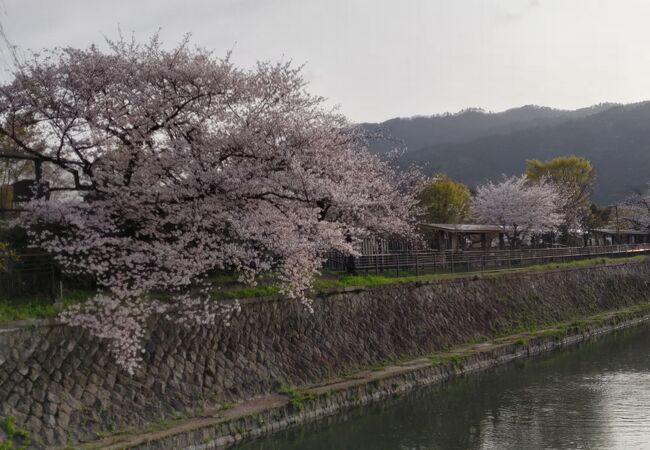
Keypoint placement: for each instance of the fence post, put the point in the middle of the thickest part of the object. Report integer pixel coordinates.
(52, 280)
(416, 265)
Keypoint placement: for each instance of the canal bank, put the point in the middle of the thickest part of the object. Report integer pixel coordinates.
(592, 395)
(298, 406)
(278, 364)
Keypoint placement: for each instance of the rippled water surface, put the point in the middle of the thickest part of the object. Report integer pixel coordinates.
(593, 396)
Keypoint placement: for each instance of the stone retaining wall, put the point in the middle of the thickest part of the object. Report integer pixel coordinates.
(60, 384)
(226, 433)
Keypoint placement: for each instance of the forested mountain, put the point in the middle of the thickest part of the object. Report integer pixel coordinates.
(473, 146)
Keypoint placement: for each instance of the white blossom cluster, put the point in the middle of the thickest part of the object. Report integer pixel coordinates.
(635, 210)
(518, 206)
(178, 163)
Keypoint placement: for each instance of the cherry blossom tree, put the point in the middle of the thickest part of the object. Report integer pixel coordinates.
(177, 163)
(518, 206)
(635, 210)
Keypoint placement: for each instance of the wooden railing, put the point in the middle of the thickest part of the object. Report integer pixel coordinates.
(413, 262)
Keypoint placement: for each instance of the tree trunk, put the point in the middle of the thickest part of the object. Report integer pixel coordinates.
(351, 265)
(350, 262)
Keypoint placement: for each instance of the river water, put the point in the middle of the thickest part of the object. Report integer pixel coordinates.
(592, 396)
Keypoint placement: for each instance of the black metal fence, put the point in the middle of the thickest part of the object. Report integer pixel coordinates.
(414, 262)
(37, 275)
(28, 275)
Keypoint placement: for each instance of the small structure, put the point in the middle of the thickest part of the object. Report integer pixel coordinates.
(606, 236)
(22, 190)
(455, 237)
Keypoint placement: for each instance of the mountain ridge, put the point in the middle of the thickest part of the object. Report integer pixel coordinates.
(479, 146)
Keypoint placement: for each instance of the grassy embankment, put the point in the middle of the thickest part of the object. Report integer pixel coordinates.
(227, 287)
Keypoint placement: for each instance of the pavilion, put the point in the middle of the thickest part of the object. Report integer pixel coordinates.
(608, 236)
(450, 236)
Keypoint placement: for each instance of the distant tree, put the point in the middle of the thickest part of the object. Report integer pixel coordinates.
(179, 163)
(574, 177)
(519, 206)
(444, 200)
(599, 216)
(635, 211)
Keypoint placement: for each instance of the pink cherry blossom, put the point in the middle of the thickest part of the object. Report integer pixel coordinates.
(519, 206)
(173, 163)
(635, 210)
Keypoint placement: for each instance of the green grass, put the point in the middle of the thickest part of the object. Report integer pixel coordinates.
(376, 280)
(228, 287)
(297, 397)
(453, 359)
(354, 281)
(247, 292)
(18, 438)
(38, 307)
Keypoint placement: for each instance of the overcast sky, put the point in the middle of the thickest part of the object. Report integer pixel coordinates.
(379, 59)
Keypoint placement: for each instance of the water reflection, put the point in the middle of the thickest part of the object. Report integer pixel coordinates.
(594, 396)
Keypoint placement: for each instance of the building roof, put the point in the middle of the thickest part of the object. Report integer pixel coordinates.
(463, 227)
(614, 231)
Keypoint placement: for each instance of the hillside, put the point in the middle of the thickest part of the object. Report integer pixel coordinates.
(616, 138)
(422, 131)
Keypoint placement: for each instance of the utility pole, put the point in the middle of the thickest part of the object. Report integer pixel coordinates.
(618, 229)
